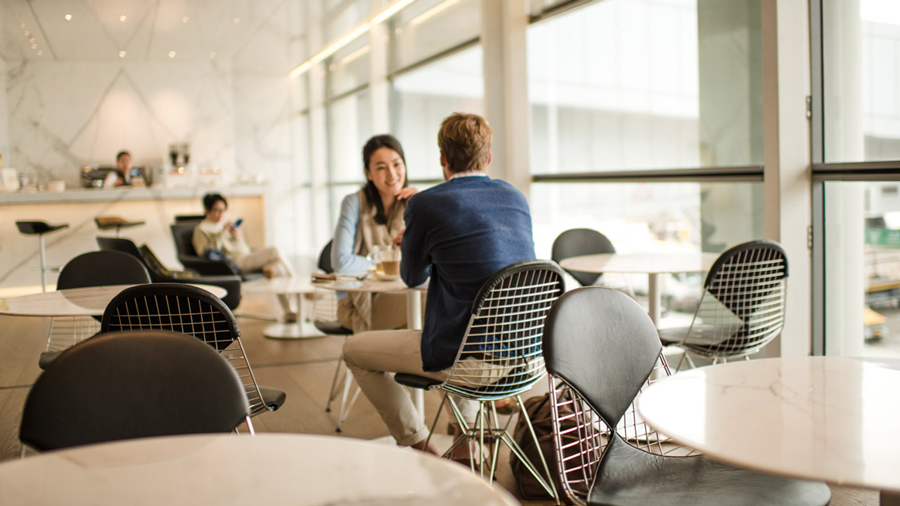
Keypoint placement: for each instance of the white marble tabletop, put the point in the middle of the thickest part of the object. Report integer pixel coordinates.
(649, 263)
(821, 418)
(267, 469)
(90, 301)
(296, 285)
(369, 284)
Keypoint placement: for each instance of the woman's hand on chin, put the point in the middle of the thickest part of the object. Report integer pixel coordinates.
(406, 193)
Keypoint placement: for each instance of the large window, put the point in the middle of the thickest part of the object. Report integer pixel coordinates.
(422, 98)
(861, 80)
(646, 84)
(429, 27)
(349, 127)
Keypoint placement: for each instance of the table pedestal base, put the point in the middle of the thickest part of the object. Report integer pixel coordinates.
(287, 331)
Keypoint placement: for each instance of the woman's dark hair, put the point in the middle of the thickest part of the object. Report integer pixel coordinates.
(121, 154)
(210, 199)
(369, 190)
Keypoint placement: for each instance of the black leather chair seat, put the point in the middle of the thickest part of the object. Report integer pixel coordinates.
(413, 381)
(630, 476)
(47, 358)
(272, 397)
(332, 328)
(37, 227)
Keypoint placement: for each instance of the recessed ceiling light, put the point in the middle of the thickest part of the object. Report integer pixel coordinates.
(122, 18)
(212, 54)
(40, 53)
(185, 19)
(121, 54)
(171, 54)
(28, 34)
(31, 39)
(17, 16)
(237, 20)
(68, 17)
(34, 46)
(22, 25)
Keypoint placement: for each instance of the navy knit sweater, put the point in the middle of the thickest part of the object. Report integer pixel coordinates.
(460, 233)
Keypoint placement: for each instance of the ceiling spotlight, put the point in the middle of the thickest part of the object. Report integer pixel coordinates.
(212, 54)
(40, 53)
(185, 19)
(68, 17)
(171, 54)
(31, 39)
(237, 20)
(34, 46)
(28, 34)
(17, 16)
(22, 25)
(122, 18)
(121, 54)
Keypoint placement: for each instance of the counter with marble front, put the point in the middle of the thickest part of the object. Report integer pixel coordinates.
(19, 254)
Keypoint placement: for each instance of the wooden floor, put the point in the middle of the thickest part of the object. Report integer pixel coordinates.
(302, 368)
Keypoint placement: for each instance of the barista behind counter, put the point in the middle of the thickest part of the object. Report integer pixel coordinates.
(122, 175)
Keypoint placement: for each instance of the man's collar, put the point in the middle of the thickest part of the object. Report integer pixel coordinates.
(468, 174)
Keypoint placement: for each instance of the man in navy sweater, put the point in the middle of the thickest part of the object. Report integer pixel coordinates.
(459, 233)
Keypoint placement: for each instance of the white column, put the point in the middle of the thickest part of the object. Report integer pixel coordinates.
(787, 188)
(844, 202)
(379, 90)
(318, 141)
(503, 27)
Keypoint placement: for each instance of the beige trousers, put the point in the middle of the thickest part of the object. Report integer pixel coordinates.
(256, 260)
(373, 357)
(364, 311)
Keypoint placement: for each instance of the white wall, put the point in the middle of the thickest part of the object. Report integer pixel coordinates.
(4, 123)
(64, 115)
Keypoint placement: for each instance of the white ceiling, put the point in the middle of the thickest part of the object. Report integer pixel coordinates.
(151, 29)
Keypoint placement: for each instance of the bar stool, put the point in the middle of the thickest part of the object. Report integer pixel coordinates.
(115, 222)
(39, 228)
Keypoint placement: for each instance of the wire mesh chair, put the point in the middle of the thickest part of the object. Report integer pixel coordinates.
(742, 306)
(140, 384)
(500, 357)
(325, 318)
(95, 268)
(178, 307)
(601, 350)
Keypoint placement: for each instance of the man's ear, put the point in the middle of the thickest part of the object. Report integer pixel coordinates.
(490, 157)
(443, 160)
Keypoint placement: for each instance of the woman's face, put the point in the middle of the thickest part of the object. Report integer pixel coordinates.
(217, 211)
(387, 171)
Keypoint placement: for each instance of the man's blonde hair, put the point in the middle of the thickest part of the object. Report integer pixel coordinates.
(465, 142)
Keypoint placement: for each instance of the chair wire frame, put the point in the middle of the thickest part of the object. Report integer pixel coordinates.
(742, 307)
(325, 307)
(190, 315)
(501, 357)
(580, 436)
(67, 331)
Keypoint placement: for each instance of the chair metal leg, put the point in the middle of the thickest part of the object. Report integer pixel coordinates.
(43, 263)
(347, 406)
(332, 392)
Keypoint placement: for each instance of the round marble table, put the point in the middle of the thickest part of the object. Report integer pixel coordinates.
(267, 469)
(819, 418)
(296, 287)
(653, 265)
(413, 307)
(91, 301)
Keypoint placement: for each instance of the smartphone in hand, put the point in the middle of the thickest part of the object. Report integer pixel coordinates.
(238, 222)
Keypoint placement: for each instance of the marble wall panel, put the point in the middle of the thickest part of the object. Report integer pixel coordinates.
(4, 116)
(64, 115)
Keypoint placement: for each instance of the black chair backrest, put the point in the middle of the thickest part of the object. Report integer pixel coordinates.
(505, 331)
(101, 268)
(193, 218)
(130, 385)
(603, 344)
(183, 234)
(325, 259)
(176, 307)
(743, 275)
(577, 242)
